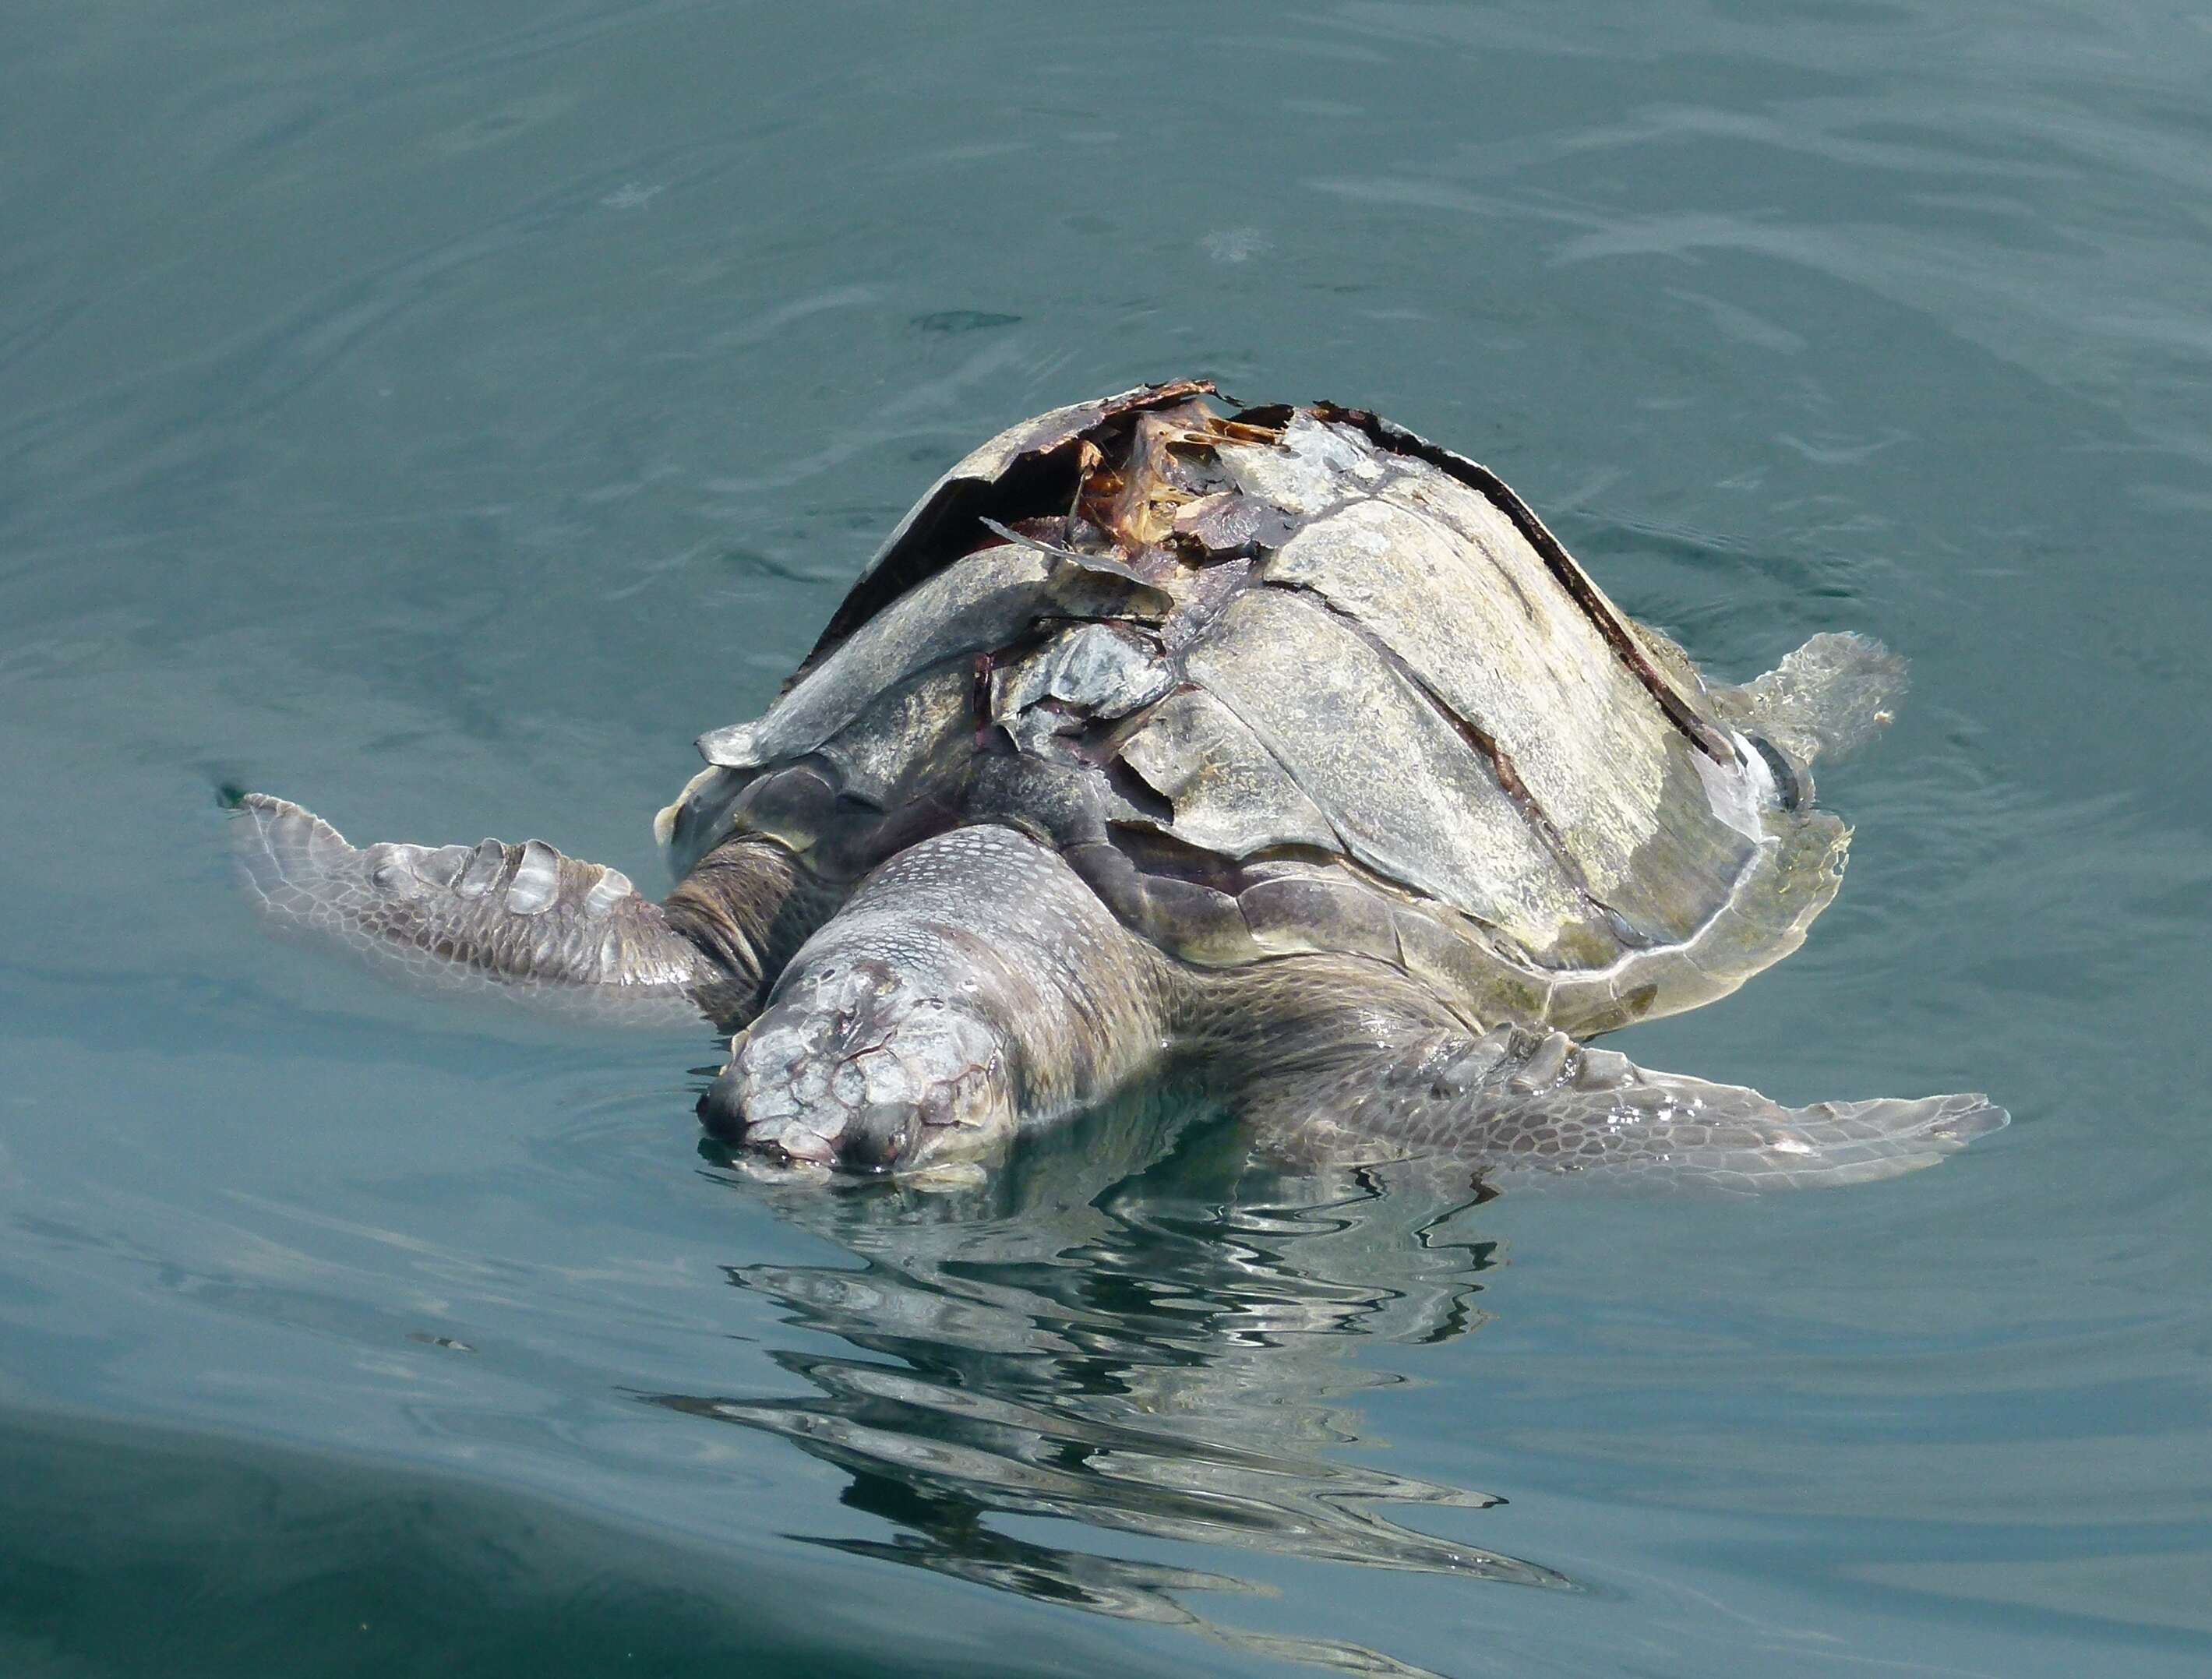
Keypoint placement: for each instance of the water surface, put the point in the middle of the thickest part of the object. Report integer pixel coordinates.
(440, 416)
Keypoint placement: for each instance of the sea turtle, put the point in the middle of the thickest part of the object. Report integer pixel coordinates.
(1276, 746)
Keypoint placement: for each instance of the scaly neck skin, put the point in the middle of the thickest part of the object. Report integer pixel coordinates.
(749, 904)
(973, 983)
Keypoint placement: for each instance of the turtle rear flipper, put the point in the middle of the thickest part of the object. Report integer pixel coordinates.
(521, 920)
(1829, 697)
(1521, 1107)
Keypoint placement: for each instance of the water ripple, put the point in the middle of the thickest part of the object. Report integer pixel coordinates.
(1146, 1361)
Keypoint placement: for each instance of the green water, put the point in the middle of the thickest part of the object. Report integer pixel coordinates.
(439, 415)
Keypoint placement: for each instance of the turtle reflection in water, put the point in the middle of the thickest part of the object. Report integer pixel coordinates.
(1278, 746)
(1115, 1343)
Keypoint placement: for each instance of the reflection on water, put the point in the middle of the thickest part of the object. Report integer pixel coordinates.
(1149, 1347)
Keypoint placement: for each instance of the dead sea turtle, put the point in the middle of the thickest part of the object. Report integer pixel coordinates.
(1279, 744)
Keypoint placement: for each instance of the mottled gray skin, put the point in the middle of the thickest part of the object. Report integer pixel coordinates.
(1284, 752)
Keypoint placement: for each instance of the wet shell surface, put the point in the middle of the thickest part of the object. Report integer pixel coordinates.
(1284, 680)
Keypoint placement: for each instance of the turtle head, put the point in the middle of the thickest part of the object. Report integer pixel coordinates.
(850, 1069)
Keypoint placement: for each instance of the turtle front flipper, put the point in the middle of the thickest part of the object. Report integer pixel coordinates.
(1520, 1107)
(521, 920)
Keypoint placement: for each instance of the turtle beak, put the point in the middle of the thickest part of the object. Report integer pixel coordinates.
(879, 1138)
(849, 1067)
(785, 1138)
(721, 1108)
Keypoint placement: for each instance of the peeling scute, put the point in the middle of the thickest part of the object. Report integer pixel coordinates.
(1230, 793)
(1681, 708)
(916, 732)
(942, 523)
(1229, 522)
(1105, 565)
(1310, 469)
(1448, 584)
(1101, 670)
(1320, 700)
(984, 600)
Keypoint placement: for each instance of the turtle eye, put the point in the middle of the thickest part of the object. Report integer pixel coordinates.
(1791, 785)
